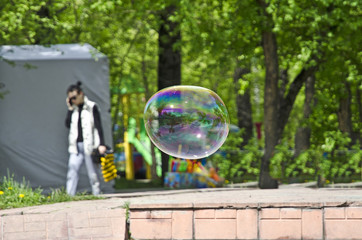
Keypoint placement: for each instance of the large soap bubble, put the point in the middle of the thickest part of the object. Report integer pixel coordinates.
(186, 121)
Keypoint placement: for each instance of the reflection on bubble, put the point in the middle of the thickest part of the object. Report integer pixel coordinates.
(186, 121)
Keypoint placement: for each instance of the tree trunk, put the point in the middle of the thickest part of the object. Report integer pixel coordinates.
(277, 108)
(169, 60)
(302, 137)
(271, 97)
(344, 113)
(243, 104)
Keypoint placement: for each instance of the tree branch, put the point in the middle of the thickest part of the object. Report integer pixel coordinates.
(286, 104)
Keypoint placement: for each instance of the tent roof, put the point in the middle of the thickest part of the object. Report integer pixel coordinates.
(52, 52)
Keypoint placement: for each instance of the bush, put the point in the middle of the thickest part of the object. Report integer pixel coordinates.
(334, 161)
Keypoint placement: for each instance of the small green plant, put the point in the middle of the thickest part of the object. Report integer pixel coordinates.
(14, 194)
(340, 161)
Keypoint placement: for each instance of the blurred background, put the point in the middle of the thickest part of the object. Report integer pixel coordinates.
(288, 71)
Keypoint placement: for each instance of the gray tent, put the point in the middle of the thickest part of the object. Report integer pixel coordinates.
(33, 136)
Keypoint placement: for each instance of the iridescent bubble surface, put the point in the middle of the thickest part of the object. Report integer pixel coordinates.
(187, 122)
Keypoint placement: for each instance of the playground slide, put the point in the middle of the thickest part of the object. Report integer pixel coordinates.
(143, 145)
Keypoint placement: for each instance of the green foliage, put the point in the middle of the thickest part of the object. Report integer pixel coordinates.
(237, 165)
(340, 162)
(333, 161)
(279, 162)
(14, 195)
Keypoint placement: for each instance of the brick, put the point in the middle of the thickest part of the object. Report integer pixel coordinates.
(90, 232)
(107, 238)
(119, 227)
(354, 212)
(334, 213)
(215, 228)
(140, 214)
(57, 229)
(290, 213)
(312, 224)
(270, 213)
(119, 212)
(78, 220)
(107, 213)
(80, 233)
(101, 232)
(182, 224)
(161, 214)
(150, 228)
(1, 228)
(134, 207)
(205, 213)
(280, 229)
(56, 217)
(99, 214)
(34, 226)
(342, 229)
(225, 213)
(35, 218)
(25, 236)
(13, 224)
(80, 238)
(100, 222)
(247, 224)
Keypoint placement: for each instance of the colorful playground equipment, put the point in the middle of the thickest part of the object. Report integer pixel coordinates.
(135, 137)
(185, 173)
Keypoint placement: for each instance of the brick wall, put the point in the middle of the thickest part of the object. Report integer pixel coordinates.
(91, 225)
(248, 223)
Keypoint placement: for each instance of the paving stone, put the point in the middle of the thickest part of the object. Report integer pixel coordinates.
(151, 228)
(34, 226)
(290, 213)
(215, 228)
(280, 229)
(334, 213)
(78, 220)
(312, 224)
(161, 214)
(270, 213)
(13, 224)
(119, 227)
(140, 214)
(342, 229)
(205, 213)
(247, 224)
(225, 213)
(354, 212)
(182, 222)
(57, 229)
(38, 235)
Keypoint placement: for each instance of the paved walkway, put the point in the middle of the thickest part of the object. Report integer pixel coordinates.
(223, 213)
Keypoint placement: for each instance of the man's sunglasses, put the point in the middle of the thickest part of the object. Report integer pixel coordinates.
(73, 98)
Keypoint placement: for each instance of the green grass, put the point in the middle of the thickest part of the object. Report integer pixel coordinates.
(14, 195)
